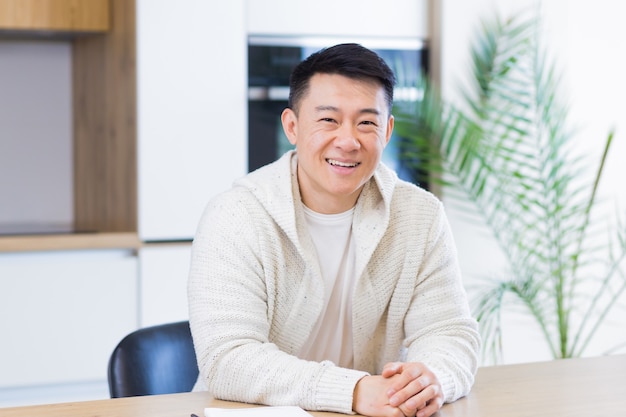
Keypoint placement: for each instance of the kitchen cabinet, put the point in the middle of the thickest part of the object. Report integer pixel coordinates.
(157, 123)
(191, 110)
(66, 298)
(93, 139)
(54, 16)
(156, 129)
(351, 20)
(163, 283)
(104, 126)
(63, 313)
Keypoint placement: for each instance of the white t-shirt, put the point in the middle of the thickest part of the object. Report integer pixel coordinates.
(331, 338)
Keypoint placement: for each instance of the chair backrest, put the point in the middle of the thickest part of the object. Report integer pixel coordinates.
(153, 360)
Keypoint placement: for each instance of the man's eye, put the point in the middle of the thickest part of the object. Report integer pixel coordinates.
(327, 119)
(368, 122)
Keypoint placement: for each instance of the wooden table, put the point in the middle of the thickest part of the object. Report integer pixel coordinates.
(567, 388)
(561, 388)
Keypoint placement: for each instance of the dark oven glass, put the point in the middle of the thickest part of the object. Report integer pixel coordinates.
(270, 62)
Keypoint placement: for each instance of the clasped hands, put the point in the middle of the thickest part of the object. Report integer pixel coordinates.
(402, 390)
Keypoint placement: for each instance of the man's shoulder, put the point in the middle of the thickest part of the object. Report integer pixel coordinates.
(409, 192)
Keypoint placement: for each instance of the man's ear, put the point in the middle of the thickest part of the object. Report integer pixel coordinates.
(290, 125)
(389, 129)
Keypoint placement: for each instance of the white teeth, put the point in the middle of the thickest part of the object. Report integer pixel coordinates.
(342, 164)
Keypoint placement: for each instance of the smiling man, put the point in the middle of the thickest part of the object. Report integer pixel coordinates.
(340, 130)
(322, 280)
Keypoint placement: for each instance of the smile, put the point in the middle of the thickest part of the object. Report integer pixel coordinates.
(343, 164)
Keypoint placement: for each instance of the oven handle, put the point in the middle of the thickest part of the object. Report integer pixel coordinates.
(282, 94)
(268, 93)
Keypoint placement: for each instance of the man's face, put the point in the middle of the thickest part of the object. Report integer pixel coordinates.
(340, 132)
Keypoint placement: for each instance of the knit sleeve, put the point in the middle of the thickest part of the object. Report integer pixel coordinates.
(440, 329)
(231, 325)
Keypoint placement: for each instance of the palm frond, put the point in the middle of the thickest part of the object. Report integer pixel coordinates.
(507, 149)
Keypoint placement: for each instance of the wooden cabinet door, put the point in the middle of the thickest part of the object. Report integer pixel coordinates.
(55, 15)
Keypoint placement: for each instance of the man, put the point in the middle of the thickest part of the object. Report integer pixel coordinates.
(322, 280)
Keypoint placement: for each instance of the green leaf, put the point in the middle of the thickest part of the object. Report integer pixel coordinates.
(506, 150)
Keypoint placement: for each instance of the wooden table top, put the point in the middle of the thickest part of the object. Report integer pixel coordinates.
(568, 388)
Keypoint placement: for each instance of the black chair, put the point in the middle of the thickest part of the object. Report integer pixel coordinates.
(153, 360)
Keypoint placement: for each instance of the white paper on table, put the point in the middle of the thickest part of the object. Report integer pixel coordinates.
(275, 411)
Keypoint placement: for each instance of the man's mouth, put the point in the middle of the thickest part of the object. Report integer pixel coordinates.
(334, 162)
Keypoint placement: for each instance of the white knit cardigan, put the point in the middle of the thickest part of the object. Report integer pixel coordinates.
(255, 292)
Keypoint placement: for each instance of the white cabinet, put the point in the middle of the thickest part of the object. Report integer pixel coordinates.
(62, 313)
(163, 283)
(191, 110)
(346, 18)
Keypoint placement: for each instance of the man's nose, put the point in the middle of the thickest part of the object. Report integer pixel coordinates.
(347, 138)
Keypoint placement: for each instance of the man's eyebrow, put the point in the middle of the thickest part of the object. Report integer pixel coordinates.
(370, 111)
(336, 109)
(326, 108)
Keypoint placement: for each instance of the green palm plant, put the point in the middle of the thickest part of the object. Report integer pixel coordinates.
(508, 151)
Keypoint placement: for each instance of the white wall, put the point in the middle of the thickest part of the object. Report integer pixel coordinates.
(585, 38)
(596, 68)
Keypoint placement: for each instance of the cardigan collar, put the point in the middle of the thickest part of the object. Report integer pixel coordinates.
(275, 186)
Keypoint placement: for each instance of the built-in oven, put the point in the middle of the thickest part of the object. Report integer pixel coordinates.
(270, 62)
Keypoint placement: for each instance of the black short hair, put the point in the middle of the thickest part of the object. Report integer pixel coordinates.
(349, 60)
